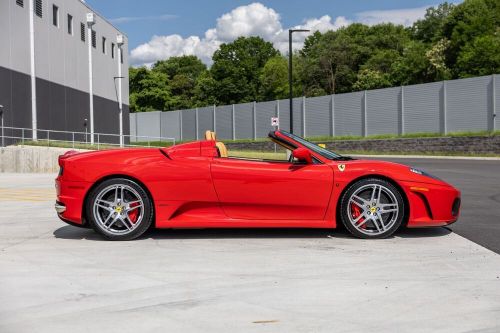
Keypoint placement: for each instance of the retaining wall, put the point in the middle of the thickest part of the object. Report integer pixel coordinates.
(456, 145)
(30, 159)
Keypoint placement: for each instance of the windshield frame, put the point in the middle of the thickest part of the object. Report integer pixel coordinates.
(325, 153)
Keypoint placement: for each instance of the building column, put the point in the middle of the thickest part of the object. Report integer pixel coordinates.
(34, 123)
(90, 23)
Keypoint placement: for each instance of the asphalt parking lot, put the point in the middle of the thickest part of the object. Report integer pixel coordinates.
(58, 278)
(479, 182)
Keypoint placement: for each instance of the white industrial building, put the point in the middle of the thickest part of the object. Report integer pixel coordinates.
(61, 63)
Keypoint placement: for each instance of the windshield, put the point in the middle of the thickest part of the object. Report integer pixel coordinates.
(317, 149)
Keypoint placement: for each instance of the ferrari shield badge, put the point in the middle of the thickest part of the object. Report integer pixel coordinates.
(341, 167)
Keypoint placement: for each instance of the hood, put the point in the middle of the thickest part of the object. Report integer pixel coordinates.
(393, 170)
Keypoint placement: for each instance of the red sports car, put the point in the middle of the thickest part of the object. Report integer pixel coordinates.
(122, 193)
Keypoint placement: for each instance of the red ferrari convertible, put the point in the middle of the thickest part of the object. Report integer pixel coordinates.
(122, 193)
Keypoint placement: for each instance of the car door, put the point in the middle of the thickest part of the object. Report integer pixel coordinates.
(272, 190)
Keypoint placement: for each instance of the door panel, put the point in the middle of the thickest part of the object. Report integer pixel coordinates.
(272, 190)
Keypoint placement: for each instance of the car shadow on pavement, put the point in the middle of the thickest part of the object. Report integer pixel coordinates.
(70, 232)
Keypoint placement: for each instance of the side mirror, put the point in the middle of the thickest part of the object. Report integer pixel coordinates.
(303, 155)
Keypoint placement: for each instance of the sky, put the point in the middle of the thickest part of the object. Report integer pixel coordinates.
(158, 29)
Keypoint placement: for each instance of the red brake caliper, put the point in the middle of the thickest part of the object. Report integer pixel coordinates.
(356, 212)
(134, 214)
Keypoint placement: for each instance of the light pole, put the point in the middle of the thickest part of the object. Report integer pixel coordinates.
(1, 115)
(119, 42)
(90, 23)
(290, 79)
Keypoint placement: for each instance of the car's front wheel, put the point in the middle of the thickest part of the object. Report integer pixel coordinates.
(119, 209)
(372, 208)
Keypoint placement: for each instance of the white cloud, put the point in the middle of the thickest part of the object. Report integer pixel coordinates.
(127, 19)
(321, 24)
(405, 17)
(251, 20)
(163, 47)
(256, 19)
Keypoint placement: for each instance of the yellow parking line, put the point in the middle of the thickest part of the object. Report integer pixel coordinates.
(27, 194)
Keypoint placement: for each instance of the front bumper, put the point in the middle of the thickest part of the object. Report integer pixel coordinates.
(432, 205)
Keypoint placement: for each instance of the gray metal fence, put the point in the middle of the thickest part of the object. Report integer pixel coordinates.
(440, 107)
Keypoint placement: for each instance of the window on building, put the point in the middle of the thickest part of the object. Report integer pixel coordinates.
(55, 15)
(121, 57)
(70, 24)
(113, 50)
(20, 3)
(82, 32)
(104, 45)
(38, 8)
(94, 39)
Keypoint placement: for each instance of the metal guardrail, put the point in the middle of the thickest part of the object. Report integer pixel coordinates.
(20, 135)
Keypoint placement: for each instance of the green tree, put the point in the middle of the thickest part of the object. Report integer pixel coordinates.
(371, 79)
(437, 59)
(149, 90)
(382, 60)
(274, 79)
(466, 22)
(188, 66)
(183, 73)
(237, 69)
(330, 64)
(205, 91)
(332, 60)
(451, 41)
(481, 57)
(412, 67)
(430, 28)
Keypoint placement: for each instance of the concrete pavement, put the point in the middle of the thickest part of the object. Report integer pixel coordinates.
(58, 278)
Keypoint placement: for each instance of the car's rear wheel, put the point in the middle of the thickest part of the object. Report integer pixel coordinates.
(372, 208)
(119, 209)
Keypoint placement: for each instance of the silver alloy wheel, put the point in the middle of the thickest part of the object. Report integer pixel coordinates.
(118, 209)
(373, 209)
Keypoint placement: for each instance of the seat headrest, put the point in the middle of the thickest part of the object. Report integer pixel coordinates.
(209, 135)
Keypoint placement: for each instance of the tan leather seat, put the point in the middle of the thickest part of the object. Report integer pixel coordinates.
(209, 135)
(222, 149)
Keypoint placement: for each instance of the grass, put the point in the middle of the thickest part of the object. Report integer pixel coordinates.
(267, 155)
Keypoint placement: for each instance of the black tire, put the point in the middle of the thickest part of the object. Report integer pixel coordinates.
(147, 211)
(373, 229)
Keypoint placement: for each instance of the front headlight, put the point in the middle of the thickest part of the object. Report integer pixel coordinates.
(423, 173)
